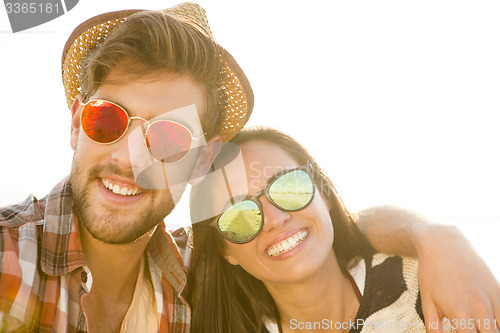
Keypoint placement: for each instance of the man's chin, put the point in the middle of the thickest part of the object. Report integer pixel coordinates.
(117, 234)
(120, 226)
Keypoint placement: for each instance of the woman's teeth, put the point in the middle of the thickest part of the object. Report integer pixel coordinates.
(116, 189)
(287, 244)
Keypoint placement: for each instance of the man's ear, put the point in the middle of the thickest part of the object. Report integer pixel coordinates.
(206, 159)
(75, 120)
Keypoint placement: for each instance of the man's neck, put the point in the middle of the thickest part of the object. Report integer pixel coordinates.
(114, 268)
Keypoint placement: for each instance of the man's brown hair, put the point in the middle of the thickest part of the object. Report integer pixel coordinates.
(154, 42)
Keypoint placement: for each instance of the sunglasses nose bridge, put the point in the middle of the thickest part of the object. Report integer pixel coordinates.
(139, 118)
(132, 125)
(145, 123)
(274, 217)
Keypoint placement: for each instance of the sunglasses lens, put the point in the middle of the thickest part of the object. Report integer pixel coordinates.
(292, 191)
(242, 222)
(103, 122)
(168, 141)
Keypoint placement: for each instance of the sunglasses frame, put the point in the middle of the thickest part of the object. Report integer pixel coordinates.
(265, 191)
(145, 132)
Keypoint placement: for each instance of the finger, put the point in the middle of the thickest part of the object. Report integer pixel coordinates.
(487, 325)
(490, 323)
(433, 322)
(485, 316)
(496, 309)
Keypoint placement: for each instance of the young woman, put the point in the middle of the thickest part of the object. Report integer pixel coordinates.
(288, 256)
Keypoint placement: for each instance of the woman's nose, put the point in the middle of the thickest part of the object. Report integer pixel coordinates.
(274, 218)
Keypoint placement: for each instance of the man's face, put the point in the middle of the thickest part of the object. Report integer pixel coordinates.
(99, 171)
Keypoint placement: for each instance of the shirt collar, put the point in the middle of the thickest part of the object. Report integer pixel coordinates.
(165, 253)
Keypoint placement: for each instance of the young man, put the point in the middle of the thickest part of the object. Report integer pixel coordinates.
(90, 256)
(94, 254)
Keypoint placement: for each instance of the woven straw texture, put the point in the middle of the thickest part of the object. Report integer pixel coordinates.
(235, 91)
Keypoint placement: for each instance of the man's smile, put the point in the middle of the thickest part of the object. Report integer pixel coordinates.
(121, 189)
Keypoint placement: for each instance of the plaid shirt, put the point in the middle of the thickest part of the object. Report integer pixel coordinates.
(43, 273)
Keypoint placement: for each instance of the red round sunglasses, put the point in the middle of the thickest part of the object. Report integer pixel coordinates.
(106, 122)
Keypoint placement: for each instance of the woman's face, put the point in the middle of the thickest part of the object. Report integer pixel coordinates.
(264, 257)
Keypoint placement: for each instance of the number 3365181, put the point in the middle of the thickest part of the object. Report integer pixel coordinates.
(32, 8)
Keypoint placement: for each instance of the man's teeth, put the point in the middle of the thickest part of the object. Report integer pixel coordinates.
(287, 244)
(116, 189)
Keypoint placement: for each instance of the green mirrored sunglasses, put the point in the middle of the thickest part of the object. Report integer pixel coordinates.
(291, 191)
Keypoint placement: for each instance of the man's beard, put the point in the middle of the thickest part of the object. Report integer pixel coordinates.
(109, 224)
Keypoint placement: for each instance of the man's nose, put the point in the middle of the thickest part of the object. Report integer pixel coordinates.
(120, 153)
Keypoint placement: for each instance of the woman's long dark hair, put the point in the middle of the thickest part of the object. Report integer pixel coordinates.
(224, 297)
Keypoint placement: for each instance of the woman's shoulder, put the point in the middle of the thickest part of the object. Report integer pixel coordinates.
(382, 266)
(391, 297)
(391, 294)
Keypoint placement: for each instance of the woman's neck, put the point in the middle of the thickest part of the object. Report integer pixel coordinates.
(318, 302)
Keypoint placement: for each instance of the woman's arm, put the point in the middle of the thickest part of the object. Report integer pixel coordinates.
(454, 281)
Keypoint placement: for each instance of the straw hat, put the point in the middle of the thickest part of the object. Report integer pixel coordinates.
(236, 91)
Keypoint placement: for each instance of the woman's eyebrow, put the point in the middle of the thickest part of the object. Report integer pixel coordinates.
(279, 174)
(237, 199)
(234, 200)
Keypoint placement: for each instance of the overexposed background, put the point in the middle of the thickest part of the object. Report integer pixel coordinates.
(397, 100)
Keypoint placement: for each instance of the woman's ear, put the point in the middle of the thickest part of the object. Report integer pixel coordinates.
(206, 159)
(75, 120)
(230, 259)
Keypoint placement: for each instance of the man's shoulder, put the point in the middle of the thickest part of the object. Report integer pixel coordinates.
(20, 276)
(31, 210)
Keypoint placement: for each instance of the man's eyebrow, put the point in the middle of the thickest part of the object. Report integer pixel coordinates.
(166, 116)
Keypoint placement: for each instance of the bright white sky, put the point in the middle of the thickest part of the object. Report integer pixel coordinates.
(398, 100)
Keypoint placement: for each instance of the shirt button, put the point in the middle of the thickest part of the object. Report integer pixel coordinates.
(84, 277)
